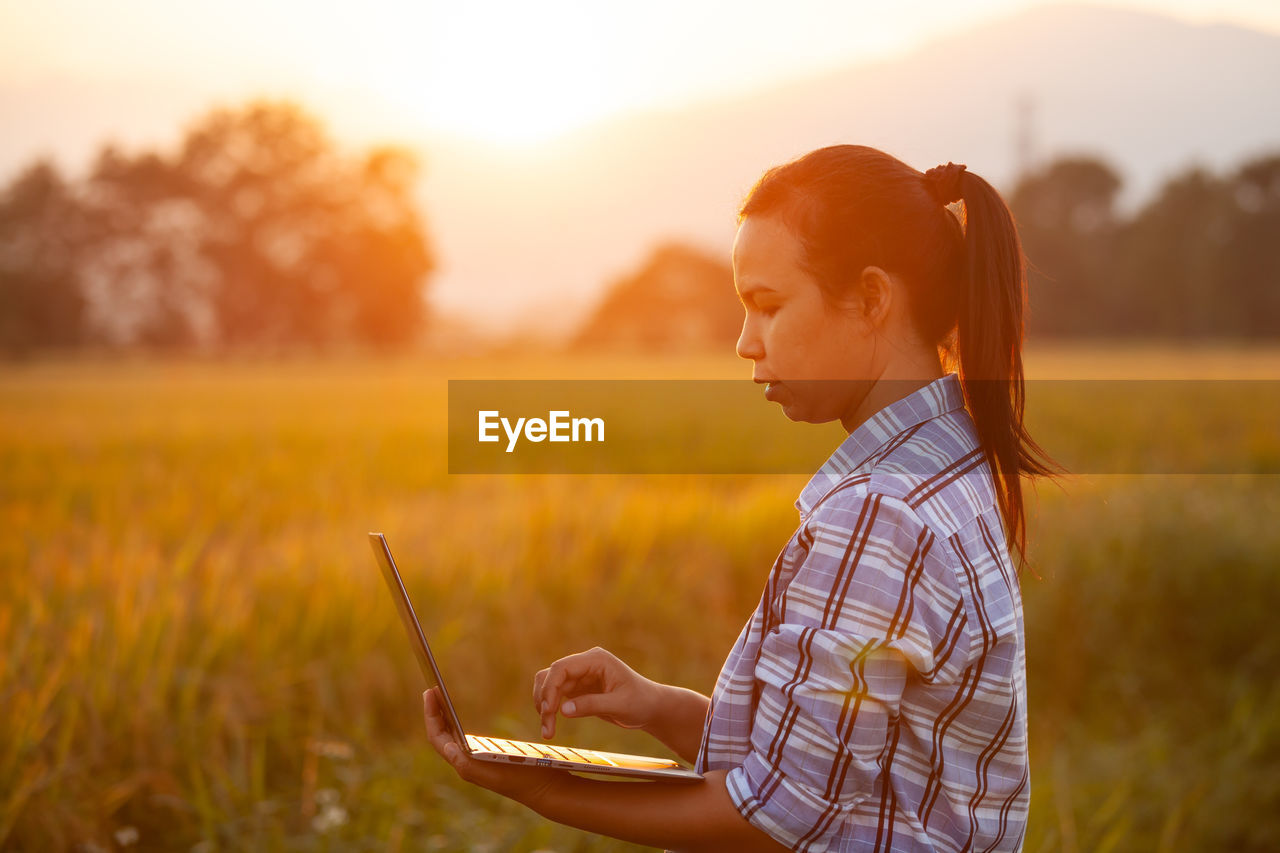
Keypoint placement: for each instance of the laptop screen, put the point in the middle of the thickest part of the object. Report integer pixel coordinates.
(426, 661)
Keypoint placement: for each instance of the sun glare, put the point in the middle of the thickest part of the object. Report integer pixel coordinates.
(516, 77)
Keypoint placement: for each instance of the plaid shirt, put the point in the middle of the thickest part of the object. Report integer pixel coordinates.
(876, 699)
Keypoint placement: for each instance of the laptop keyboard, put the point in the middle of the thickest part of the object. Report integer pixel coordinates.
(525, 749)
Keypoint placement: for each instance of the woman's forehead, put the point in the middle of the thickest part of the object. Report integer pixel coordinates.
(766, 252)
(765, 242)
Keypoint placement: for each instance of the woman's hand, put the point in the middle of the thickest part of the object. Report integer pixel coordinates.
(527, 785)
(697, 816)
(595, 683)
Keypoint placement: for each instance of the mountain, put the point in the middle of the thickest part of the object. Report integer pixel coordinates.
(1150, 94)
(531, 238)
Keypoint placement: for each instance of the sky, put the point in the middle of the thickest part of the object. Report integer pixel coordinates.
(514, 76)
(510, 73)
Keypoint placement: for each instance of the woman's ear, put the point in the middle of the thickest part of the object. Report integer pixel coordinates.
(876, 293)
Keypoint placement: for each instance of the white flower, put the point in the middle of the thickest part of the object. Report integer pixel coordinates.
(331, 816)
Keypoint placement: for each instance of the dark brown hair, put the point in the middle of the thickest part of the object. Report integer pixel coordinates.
(852, 206)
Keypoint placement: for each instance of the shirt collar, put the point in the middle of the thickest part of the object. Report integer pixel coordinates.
(940, 396)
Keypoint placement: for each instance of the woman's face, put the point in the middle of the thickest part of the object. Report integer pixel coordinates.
(818, 360)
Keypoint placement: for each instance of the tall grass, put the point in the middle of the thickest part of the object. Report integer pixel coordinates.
(198, 652)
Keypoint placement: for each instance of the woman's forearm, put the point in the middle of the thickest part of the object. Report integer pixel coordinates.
(693, 816)
(678, 720)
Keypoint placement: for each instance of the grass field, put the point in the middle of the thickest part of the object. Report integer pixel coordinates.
(197, 653)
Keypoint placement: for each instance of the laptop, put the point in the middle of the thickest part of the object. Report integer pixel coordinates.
(504, 750)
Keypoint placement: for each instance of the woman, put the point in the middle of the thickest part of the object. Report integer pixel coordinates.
(876, 698)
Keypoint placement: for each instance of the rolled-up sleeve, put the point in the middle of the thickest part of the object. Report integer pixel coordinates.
(867, 609)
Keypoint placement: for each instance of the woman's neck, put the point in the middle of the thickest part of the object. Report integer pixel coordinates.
(900, 378)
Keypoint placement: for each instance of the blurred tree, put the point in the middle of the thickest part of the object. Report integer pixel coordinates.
(258, 232)
(385, 253)
(1250, 267)
(306, 246)
(1066, 220)
(144, 276)
(680, 299)
(40, 299)
(1171, 255)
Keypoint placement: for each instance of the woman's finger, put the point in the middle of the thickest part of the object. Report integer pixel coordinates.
(551, 688)
(584, 672)
(553, 700)
(593, 705)
(438, 733)
(573, 668)
(539, 678)
(431, 713)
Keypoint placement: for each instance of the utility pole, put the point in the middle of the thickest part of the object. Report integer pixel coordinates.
(1024, 153)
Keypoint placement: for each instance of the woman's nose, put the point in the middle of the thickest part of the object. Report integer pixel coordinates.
(749, 345)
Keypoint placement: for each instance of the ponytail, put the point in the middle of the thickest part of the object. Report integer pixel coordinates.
(852, 206)
(988, 348)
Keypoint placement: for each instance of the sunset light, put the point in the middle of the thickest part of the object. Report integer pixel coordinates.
(467, 273)
(517, 77)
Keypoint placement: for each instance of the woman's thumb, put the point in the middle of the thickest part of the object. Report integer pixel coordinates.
(588, 705)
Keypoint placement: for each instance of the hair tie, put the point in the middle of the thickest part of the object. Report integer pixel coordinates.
(944, 182)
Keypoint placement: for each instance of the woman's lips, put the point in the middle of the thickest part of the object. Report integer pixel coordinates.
(771, 390)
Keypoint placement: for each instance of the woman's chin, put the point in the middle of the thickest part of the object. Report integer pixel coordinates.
(800, 413)
(797, 412)
(796, 407)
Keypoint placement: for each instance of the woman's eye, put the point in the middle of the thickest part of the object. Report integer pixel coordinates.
(768, 310)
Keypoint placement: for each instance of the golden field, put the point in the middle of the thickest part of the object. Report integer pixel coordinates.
(198, 652)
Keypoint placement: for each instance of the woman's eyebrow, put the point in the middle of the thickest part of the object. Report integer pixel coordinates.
(752, 288)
